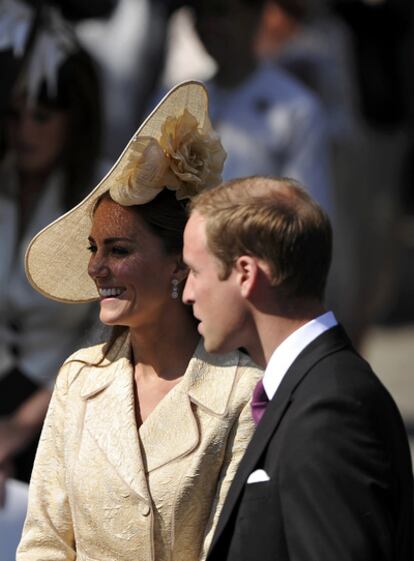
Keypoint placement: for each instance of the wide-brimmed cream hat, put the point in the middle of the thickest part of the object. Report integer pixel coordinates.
(174, 148)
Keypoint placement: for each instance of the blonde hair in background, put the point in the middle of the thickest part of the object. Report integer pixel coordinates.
(275, 220)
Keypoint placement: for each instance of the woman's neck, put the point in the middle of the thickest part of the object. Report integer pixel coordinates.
(164, 348)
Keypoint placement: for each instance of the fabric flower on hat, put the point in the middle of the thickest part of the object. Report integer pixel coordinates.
(143, 175)
(196, 157)
(185, 159)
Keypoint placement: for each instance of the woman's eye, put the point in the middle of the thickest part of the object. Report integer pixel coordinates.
(118, 250)
(91, 248)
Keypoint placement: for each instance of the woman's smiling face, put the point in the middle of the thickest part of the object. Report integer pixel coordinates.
(129, 266)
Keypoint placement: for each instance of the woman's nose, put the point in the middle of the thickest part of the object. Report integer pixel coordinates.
(97, 267)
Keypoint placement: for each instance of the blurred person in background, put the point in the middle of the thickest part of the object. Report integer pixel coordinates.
(50, 132)
(384, 82)
(308, 40)
(269, 123)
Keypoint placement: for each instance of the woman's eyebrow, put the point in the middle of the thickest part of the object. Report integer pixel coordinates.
(108, 241)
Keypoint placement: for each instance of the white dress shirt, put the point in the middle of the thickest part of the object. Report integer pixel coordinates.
(287, 352)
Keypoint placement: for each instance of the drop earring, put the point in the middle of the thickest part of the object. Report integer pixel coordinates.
(174, 289)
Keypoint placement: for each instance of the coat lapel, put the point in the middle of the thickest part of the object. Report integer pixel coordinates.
(329, 342)
(171, 431)
(110, 418)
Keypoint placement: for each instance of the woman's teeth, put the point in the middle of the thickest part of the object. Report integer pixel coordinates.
(106, 292)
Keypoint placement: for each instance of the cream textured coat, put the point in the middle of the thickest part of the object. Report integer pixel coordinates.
(103, 491)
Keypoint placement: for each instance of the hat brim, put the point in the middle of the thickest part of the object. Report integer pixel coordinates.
(57, 258)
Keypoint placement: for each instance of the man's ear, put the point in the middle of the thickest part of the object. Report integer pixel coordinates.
(247, 271)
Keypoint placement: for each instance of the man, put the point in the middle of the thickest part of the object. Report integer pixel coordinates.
(327, 475)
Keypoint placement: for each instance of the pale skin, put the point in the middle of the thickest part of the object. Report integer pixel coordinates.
(256, 319)
(126, 256)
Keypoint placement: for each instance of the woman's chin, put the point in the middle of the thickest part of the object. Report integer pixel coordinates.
(109, 319)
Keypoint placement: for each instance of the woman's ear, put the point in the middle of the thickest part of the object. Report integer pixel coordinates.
(180, 270)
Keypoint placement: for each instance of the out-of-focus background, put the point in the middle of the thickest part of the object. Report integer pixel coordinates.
(318, 90)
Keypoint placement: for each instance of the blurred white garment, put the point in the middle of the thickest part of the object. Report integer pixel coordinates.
(129, 48)
(12, 517)
(186, 57)
(36, 334)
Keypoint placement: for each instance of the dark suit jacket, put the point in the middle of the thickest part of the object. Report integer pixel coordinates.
(334, 446)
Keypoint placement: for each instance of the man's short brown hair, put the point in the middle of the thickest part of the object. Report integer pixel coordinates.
(275, 220)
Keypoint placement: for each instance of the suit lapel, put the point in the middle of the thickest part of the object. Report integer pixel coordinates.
(329, 342)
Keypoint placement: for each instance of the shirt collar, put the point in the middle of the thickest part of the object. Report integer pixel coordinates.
(285, 354)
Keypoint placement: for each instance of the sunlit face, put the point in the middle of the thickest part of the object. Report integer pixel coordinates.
(129, 265)
(218, 304)
(37, 136)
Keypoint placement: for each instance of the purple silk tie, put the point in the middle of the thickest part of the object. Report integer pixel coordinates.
(259, 402)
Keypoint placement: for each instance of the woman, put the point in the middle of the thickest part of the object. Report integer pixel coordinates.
(144, 433)
(49, 146)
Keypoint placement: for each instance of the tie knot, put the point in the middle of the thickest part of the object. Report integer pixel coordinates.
(259, 402)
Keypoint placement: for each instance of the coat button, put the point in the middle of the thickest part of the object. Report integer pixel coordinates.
(145, 510)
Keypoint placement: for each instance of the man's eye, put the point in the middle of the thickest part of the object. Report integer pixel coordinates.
(91, 248)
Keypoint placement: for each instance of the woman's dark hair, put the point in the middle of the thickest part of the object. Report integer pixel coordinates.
(78, 94)
(165, 217)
